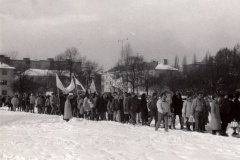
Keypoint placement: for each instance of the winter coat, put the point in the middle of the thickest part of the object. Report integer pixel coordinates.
(225, 109)
(177, 104)
(134, 103)
(198, 106)
(110, 107)
(186, 111)
(163, 106)
(235, 113)
(3, 99)
(126, 105)
(80, 105)
(86, 104)
(152, 104)
(115, 104)
(39, 102)
(67, 109)
(101, 104)
(47, 102)
(53, 100)
(143, 106)
(215, 116)
(121, 105)
(15, 101)
(32, 99)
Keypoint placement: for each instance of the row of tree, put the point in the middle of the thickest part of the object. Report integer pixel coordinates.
(215, 74)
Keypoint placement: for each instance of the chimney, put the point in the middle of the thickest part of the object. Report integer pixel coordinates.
(50, 59)
(165, 61)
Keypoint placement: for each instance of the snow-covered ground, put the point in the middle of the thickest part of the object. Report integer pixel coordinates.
(45, 137)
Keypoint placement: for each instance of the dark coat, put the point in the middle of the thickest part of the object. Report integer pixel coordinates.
(152, 104)
(126, 105)
(177, 104)
(115, 104)
(101, 104)
(226, 108)
(143, 105)
(235, 113)
(134, 103)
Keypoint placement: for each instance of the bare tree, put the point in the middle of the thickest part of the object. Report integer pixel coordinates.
(11, 54)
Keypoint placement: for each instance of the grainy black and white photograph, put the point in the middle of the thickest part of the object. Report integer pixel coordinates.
(119, 79)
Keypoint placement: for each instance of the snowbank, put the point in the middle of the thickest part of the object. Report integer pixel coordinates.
(34, 136)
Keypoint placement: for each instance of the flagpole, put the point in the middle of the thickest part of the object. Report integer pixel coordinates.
(75, 83)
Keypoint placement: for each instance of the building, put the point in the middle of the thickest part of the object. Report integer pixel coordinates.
(150, 68)
(6, 79)
(27, 63)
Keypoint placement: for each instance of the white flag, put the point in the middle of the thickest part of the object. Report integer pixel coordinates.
(70, 87)
(93, 87)
(80, 84)
(61, 87)
(59, 83)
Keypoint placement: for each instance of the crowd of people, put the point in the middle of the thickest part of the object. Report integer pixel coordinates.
(129, 108)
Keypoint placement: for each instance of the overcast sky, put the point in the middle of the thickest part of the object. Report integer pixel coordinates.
(156, 29)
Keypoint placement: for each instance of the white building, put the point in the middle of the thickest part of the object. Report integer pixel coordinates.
(6, 79)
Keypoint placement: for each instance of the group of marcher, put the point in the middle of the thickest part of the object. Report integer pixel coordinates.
(129, 108)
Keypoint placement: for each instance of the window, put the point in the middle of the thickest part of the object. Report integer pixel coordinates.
(4, 72)
(4, 82)
(4, 92)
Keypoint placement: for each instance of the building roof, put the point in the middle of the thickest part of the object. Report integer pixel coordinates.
(44, 72)
(162, 66)
(5, 66)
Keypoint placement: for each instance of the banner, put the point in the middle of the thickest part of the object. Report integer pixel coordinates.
(118, 83)
(79, 84)
(93, 87)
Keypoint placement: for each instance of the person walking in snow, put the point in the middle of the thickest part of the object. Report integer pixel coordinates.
(144, 110)
(67, 109)
(225, 112)
(152, 105)
(177, 105)
(134, 103)
(215, 115)
(116, 108)
(110, 107)
(15, 102)
(47, 105)
(102, 106)
(32, 103)
(86, 106)
(40, 103)
(186, 111)
(126, 105)
(54, 102)
(235, 113)
(197, 111)
(163, 107)
(80, 106)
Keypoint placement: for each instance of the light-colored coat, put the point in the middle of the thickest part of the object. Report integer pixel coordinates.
(215, 116)
(163, 106)
(80, 105)
(15, 103)
(86, 105)
(67, 109)
(187, 107)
